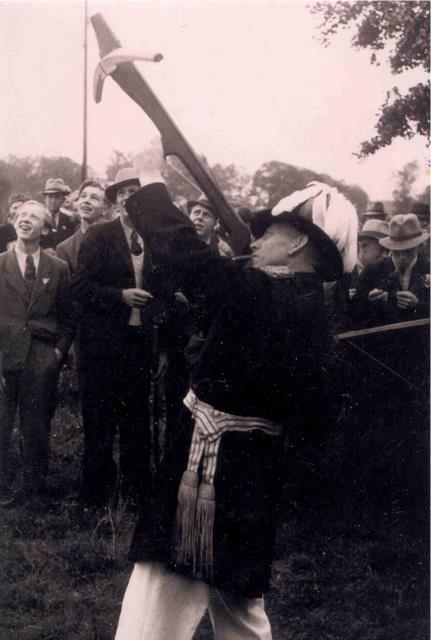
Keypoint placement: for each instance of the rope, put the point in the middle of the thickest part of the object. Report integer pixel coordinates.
(385, 366)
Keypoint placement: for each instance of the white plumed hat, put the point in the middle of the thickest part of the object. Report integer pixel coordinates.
(332, 213)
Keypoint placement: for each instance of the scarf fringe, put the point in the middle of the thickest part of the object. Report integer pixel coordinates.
(205, 512)
(185, 534)
(194, 526)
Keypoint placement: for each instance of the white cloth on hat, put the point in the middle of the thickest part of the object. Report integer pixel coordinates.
(332, 212)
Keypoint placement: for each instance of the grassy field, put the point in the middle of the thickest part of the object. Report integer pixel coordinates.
(338, 576)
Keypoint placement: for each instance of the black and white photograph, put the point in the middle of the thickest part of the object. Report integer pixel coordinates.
(214, 320)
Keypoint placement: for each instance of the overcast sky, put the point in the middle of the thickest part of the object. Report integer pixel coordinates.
(247, 82)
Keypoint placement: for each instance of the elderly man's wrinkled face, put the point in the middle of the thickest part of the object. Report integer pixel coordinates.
(54, 202)
(30, 222)
(277, 246)
(370, 251)
(402, 258)
(204, 221)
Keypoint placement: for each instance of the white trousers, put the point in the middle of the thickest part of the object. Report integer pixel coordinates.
(161, 605)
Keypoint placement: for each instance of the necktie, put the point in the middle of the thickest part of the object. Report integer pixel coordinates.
(135, 247)
(30, 272)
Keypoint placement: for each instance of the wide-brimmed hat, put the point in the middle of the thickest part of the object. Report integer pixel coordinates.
(376, 229)
(203, 202)
(404, 233)
(334, 216)
(56, 185)
(375, 210)
(331, 258)
(124, 176)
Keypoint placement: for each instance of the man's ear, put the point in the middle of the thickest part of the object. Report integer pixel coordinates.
(298, 244)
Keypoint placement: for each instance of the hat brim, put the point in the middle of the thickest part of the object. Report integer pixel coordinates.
(331, 259)
(377, 215)
(399, 245)
(111, 191)
(192, 203)
(375, 235)
(63, 191)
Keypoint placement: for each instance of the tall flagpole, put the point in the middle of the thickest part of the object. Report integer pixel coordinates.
(84, 143)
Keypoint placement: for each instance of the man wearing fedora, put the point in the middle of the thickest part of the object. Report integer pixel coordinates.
(115, 286)
(395, 288)
(206, 540)
(375, 211)
(369, 249)
(63, 226)
(35, 335)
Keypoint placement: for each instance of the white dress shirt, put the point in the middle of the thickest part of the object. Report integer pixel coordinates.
(138, 269)
(22, 257)
(404, 276)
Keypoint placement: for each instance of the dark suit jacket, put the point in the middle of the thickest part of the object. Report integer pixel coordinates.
(104, 269)
(7, 234)
(382, 275)
(68, 249)
(44, 313)
(65, 228)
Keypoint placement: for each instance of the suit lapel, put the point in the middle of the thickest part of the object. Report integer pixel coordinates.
(42, 277)
(14, 276)
(417, 276)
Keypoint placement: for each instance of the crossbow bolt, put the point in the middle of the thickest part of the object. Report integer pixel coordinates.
(109, 63)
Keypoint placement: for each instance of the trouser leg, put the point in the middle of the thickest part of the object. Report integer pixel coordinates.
(133, 412)
(161, 605)
(99, 472)
(9, 403)
(237, 618)
(38, 389)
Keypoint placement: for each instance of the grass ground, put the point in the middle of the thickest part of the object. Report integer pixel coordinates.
(63, 572)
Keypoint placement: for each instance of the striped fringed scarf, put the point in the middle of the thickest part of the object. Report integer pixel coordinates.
(196, 496)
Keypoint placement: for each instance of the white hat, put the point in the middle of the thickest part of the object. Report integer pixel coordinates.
(332, 213)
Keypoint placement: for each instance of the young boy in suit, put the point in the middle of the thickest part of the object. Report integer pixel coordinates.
(35, 334)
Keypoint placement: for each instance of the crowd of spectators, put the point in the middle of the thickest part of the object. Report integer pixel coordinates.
(88, 235)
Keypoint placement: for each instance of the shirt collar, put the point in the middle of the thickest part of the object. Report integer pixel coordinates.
(408, 270)
(128, 233)
(23, 256)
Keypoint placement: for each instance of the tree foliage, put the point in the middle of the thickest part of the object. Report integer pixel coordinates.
(402, 194)
(274, 180)
(118, 160)
(401, 30)
(28, 175)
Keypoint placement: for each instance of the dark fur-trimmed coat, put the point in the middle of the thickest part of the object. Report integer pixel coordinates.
(262, 357)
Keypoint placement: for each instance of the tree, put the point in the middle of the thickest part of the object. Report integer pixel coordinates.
(400, 29)
(234, 182)
(405, 178)
(119, 160)
(28, 175)
(274, 180)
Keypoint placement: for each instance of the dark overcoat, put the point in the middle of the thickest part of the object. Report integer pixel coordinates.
(262, 357)
(382, 275)
(65, 228)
